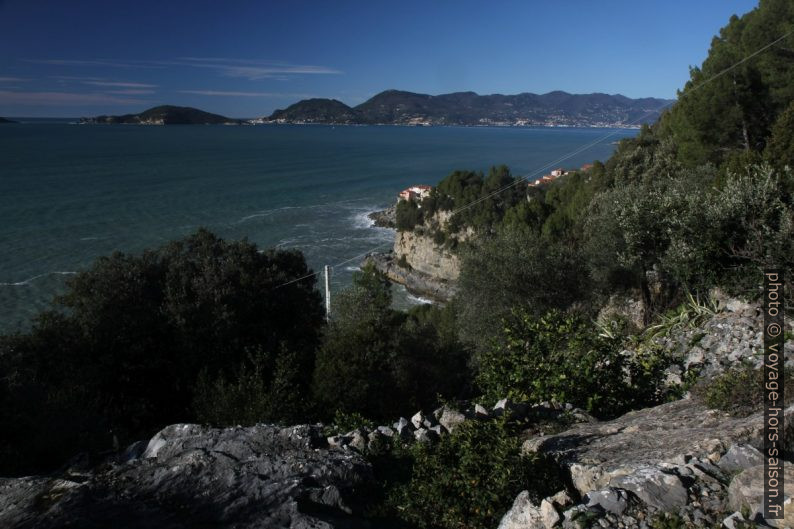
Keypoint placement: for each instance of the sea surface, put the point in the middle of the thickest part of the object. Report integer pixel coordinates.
(70, 193)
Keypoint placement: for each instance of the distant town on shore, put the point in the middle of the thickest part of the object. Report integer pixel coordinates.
(394, 107)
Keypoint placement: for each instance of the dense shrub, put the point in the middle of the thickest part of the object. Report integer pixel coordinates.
(563, 357)
(740, 390)
(382, 363)
(780, 147)
(272, 388)
(516, 268)
(120, 353)
(408, 215)
(469, 479)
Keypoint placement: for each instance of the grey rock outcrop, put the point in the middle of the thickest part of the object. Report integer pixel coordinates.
(524, 514)
(418, 262)
(665, 437)
(732, 336)
(610, 500)
(192, 476)
(417, 282)
(740, 457)
(674, 458)
(386, 218)
(747, 489)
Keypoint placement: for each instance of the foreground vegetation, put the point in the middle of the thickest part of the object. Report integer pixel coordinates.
(207, 330)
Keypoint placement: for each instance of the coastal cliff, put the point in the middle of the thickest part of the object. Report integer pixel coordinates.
(417, 261)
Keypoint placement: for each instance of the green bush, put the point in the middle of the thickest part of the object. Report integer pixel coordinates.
(563, 357)
(408, 215)
(469, 479)
(264, 388)
(119, 354)
(382, 363)
(740, 390)
(515, 268)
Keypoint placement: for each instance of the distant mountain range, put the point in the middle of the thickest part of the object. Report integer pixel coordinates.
(4, 120)
(165, 115)
(394, 107)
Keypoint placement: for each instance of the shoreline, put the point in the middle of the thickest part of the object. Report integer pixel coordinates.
(419, 284)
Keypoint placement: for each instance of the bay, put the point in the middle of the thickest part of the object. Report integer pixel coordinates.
(70, 193)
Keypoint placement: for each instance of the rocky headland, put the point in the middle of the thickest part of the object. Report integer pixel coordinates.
(426, 267)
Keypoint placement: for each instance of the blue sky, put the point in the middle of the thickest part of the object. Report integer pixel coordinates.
(247, 58)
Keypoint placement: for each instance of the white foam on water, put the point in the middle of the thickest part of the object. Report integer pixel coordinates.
(362, 221)
(31, 279)
(418, 300)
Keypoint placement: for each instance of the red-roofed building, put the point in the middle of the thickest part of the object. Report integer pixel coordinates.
(416, 192)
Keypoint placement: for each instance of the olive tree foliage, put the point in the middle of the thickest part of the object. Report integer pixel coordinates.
(694, 235)
(515, 268)
(748, 226)
(629, 229)
(649, 156)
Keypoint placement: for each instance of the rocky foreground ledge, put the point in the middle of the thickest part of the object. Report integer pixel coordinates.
(679, 459)
(191, 476)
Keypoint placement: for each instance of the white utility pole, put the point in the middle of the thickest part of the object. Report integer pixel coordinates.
(327, 292)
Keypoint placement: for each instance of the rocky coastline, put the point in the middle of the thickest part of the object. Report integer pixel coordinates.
(416, 261)
(386, 218)
(416, 282)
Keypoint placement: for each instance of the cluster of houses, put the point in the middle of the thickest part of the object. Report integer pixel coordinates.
(415, 192)
(556, 173)
(419, 192)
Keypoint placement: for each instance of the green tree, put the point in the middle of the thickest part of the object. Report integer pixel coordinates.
(408, 215)
(729, 105)
(515, 268)
(353, 371)
(630, 228)
(134, 332)
(780, 148)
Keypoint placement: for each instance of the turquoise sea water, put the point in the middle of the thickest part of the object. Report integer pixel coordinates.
(69, 193)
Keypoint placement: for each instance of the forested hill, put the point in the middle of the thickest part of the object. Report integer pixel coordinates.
(165, 115)
(397, 107)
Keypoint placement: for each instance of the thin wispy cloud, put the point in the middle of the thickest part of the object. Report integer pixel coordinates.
(252, 70)
(223, 93)
(119, 84)
(13, 80)
(64, 99)
(96, 62)
(131, 92)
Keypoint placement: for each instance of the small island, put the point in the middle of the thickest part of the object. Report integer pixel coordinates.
(4, 120)
(164, 115)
